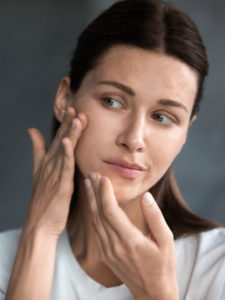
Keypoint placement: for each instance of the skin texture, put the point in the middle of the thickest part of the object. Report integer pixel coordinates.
(115, 237)
(130, 131)
(127, 126)
(145, 263)
(52, 188)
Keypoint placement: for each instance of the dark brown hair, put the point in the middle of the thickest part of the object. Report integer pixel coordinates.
(159, 27)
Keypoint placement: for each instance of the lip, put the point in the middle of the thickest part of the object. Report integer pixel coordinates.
(125, 163)
(124, 168)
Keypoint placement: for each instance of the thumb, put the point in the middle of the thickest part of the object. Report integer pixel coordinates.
(39, 146)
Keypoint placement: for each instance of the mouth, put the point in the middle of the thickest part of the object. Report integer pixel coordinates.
(124, 168)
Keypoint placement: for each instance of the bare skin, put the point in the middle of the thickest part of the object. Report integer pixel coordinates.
(53, 173)
(163, 77)
(113, 227)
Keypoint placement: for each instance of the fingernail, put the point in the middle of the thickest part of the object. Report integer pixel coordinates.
(148, 199)
(93, 176)
(80, 116)
(73, 123)
(87, 183)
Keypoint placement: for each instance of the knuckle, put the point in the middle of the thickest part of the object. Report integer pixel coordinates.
(116, 251)
(95, 218)
(134, 245)
(47, 170)
(45, 160)
(107, 211)
(68, 165)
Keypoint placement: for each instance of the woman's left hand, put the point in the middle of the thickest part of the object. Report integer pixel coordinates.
(145, 264)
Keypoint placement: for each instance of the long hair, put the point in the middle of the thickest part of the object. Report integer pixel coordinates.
(154, 26)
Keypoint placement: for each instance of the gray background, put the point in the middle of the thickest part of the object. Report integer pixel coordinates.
(37, 39)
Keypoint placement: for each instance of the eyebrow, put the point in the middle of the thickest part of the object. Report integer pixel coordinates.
(120, 86)
(130, 92)
(173, 103)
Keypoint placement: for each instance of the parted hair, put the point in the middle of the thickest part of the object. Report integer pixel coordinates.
(155, 26)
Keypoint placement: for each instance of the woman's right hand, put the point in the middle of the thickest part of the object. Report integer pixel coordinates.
(53, 176)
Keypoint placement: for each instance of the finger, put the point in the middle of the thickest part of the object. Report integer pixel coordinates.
(158, 227)
(95, 184)
(77, 126)
(115, 215)
(61, 159)
(109, 230)
(67, 166)
(61, 132)
(39, 147)
(100, 231)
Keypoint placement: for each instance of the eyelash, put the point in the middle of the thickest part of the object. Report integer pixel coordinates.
(110, 98)
(155, 114)
(172, 121)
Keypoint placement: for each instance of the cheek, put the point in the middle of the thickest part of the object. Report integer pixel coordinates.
(95, 141)
(164, 147)
(96, 133)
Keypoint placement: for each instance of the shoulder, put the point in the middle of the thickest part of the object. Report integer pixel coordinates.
(204, 242)
(9, 241)
(8, 247)
(10, 235)
(217, 234)
(201, 264)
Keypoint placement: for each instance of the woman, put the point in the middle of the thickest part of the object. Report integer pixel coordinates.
(119, 228)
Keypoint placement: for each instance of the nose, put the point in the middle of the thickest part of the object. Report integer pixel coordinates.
(132, 135)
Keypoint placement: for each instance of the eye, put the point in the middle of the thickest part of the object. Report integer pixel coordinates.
(163, 119)
(111, 102)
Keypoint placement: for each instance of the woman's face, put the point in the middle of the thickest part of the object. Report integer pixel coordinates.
(138, 104)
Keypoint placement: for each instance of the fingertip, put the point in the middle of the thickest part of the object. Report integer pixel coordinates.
(30, 131)
(104, 180)
(65, 143)
(148, 199)
(71, 111)
(83, 118)
(93, 176)
(87, 183)
(33, 134)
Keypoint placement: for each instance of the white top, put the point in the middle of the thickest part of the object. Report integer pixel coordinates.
(200, 269)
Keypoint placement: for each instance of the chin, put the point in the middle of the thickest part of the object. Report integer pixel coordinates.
(125, 194)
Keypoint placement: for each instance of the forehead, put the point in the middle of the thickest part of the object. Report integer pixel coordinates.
(148, 73)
